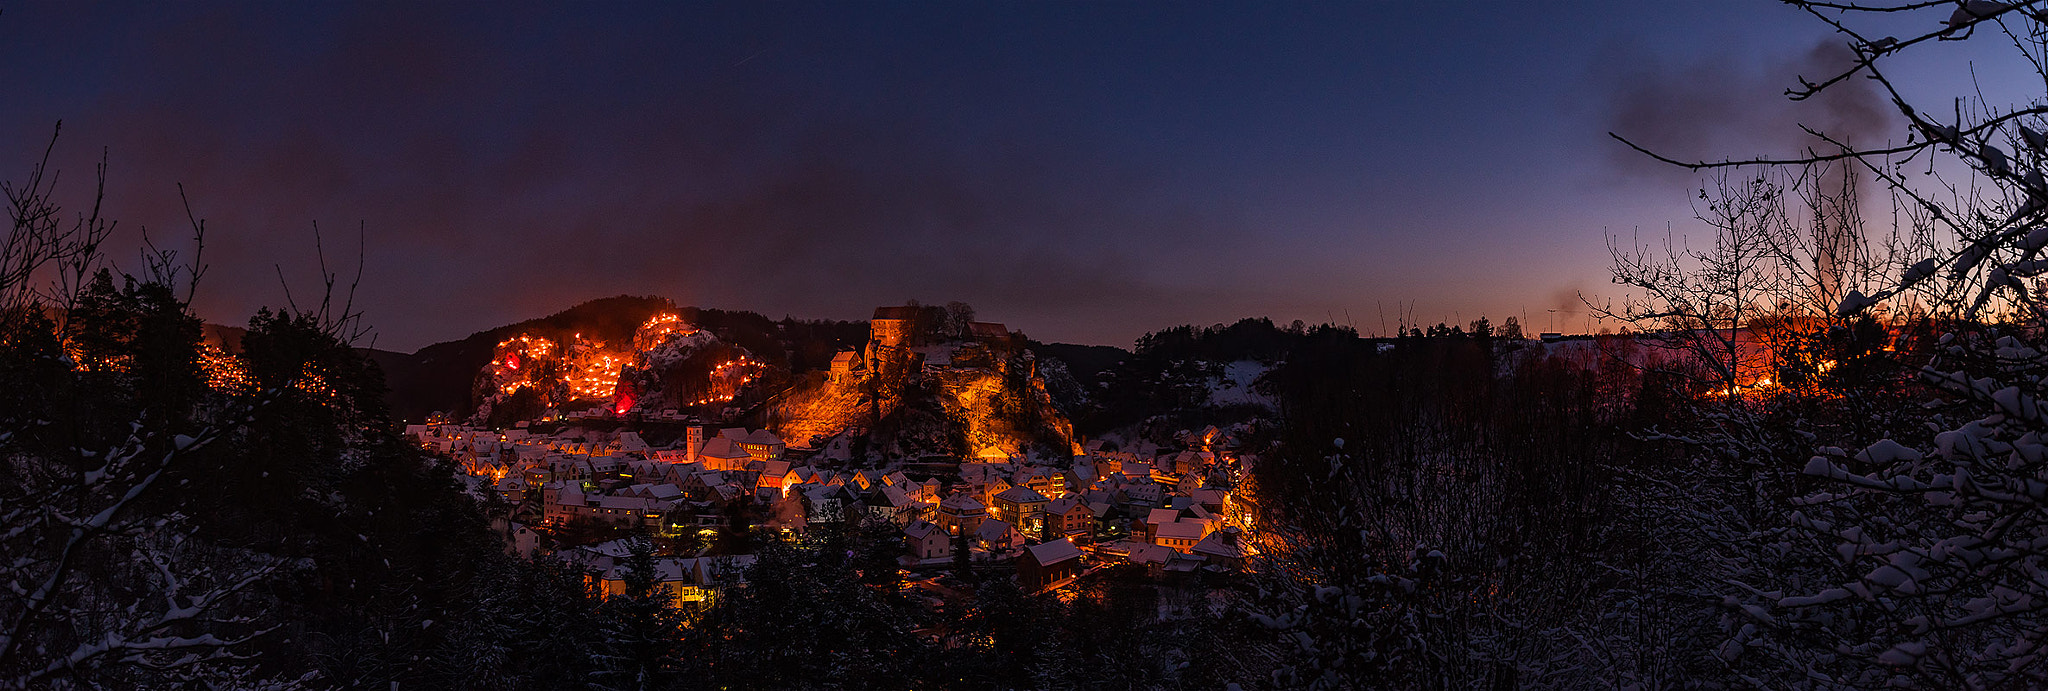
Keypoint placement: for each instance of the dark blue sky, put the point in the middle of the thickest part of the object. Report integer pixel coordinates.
(1082, 171)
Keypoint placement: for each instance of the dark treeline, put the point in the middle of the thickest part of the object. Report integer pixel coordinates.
(1433, 504)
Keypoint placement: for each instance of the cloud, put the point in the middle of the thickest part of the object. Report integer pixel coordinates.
(500, 174)
(1722, 108)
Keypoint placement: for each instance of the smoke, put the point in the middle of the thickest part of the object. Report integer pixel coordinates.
(1719, 109)
(1566, 312)
(1715, 110)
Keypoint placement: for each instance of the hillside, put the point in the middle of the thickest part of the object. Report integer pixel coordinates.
(443, 377)
(440, 377)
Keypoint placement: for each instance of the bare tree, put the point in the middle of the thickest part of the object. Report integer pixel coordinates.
(100, 584)
(1914, 554)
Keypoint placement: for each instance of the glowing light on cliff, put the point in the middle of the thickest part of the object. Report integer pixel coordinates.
(224, 372)
(658, 329)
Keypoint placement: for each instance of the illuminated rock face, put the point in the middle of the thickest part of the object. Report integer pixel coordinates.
(667, 363)
(911, 398)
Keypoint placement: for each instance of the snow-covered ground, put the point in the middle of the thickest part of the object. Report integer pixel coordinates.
(1235, 386)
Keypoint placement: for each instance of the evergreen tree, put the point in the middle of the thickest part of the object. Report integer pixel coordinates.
(642, 628)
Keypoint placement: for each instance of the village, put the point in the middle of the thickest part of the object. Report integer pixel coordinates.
(1172, 512)
(581, 487)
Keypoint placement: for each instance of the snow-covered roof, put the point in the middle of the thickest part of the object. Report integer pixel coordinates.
(961, 502)
(987, 330)
(1181, 530)
(1215, 545)
(895, 497)
(992, 529)
(1020, 495)
(1054, 552)
(1141, 553)
(1063, 505)
(919, 530)
(722, 447)
(1162, 516)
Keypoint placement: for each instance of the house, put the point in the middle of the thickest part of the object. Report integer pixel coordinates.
(1142, 493)
(888, 333)
(1224, 548)
(988, 331)
(512, 489)
(520, 540)
(1152, 558)
(961, 512)
(1179, 535)
(928, 541)
(992, 486)
(1020, 506)
(844, 366)
(774, 475)
(1158, 517)
(687, 579)
(998, 536)
(824, 503)
(1071, 516)
(1040, 480)
(762, 445)
(1049, 563)
(723, 453)
(892, 504)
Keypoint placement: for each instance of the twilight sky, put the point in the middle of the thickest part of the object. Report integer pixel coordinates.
(1085, 172)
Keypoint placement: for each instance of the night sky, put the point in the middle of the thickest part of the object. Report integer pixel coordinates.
(1085, 172)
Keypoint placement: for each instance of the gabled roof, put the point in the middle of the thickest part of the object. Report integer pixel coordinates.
(962, 502)
(1020, 495)
(761, 436)
(1148, 554)
(992, 529)
(626, 503)
(904, 312)
(919, 530)
(1063, 505)
(722, 447)
(987, 330)
(895, 497)
(1162, 516)
(1215, 546)
(1181, 530)
(1054, 552)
